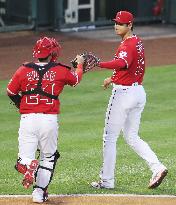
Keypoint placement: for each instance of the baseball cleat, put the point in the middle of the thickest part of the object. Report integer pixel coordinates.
(29, 176)
(100, 185)
(157, 179)
(39, 196)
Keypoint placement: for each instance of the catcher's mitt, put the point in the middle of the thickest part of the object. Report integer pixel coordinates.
(90, 61)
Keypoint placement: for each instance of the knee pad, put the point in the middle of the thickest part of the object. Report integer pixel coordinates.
(45, 170)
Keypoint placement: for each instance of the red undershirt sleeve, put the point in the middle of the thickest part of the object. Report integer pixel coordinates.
(116, 64)
(74, 77)
(79, 71)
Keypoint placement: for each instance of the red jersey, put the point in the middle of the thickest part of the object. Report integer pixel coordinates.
(53, 82)
(128, 63)
(131, 51)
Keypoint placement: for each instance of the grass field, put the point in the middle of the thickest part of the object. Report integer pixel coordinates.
(80, 138)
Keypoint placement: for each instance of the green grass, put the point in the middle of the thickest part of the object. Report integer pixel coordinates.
(80, 137)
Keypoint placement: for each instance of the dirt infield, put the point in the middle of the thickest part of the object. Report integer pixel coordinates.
(16, 48)
(94, 200)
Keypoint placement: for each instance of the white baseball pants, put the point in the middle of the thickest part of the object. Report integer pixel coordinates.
(123, 113)
(37, 130)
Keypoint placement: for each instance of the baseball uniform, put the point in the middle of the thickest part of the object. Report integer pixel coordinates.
(126, 105)
(39, 84)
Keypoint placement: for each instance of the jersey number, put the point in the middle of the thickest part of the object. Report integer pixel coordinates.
(36, 98)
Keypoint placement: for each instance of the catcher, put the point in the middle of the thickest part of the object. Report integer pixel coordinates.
(34, 89)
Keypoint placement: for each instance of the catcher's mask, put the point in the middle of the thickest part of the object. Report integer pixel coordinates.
(45, 47)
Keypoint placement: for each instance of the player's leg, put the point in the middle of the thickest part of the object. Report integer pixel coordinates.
(115, 117)
(44, 176)
(131, 136)
(26, 162)
(48, 157)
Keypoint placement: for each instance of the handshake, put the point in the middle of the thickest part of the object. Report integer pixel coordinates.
(88, 60)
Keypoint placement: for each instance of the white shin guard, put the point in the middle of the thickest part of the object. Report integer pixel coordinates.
(45, 171)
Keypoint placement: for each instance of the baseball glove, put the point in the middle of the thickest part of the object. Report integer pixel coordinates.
(90, 61)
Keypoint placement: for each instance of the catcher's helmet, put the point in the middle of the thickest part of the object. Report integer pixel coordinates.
(45, 47)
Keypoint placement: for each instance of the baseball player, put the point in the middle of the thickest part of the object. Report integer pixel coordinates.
(126, 104)
(35, 88)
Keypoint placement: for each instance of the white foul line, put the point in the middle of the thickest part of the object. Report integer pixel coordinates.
(93, 195)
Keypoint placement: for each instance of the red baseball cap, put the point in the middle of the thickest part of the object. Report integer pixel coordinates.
(124, 17)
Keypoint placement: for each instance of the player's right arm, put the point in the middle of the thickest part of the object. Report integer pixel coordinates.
(122, 59)
(74, 78)
(116, 64)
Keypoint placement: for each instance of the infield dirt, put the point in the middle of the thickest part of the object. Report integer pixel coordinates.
(93, 200)
(16, 48)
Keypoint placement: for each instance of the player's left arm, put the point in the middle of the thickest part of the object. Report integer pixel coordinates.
(13, 90)
(107, 82)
